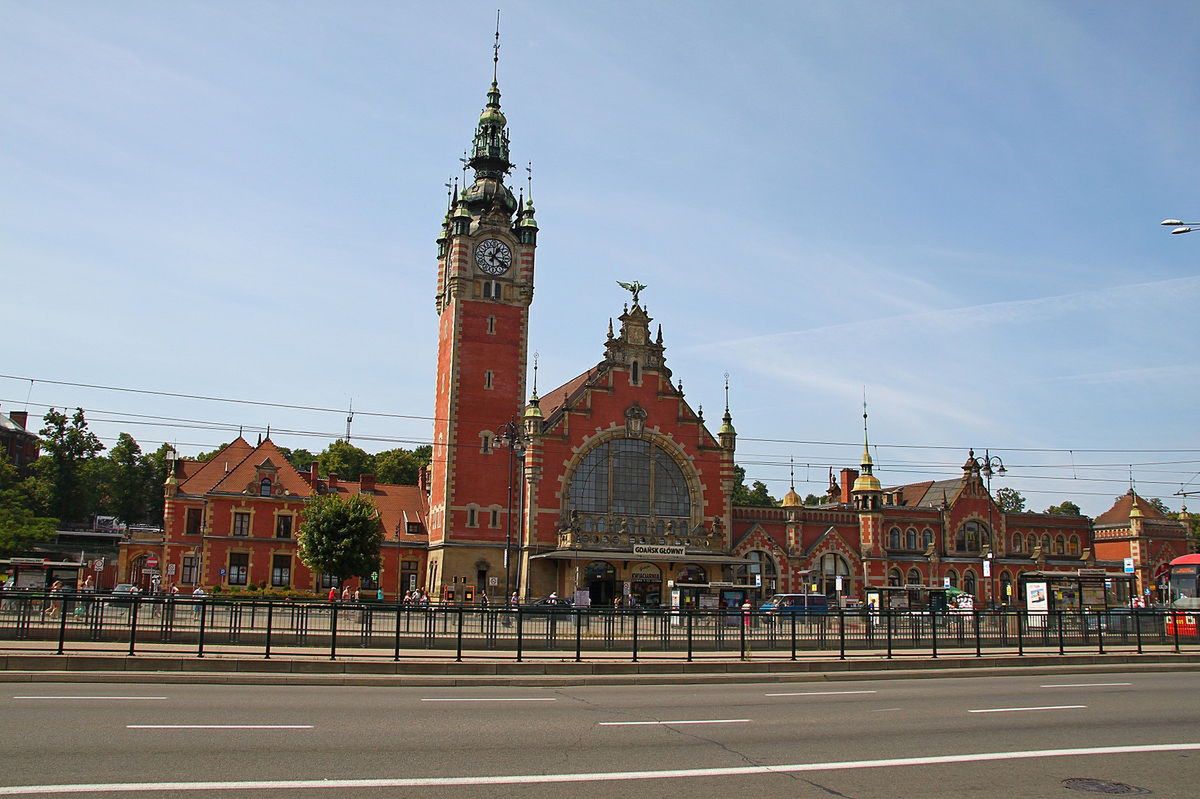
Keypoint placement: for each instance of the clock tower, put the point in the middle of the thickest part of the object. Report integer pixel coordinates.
(484, 289)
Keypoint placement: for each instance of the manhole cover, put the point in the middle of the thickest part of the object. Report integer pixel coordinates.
(1088, 785)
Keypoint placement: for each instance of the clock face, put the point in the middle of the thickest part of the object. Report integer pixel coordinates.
(493, 257)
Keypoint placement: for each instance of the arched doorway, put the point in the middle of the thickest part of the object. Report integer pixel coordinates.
(833, 566)
(763, 574)
(601, 579)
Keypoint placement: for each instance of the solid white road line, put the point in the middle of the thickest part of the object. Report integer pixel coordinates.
(121, 698)
(1085, 685)
(497, 699)
(615, 776)
(1017, 709)
(218, 726)
(689, 721)
(823, 693)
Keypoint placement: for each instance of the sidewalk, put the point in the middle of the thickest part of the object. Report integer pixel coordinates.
(19, 664)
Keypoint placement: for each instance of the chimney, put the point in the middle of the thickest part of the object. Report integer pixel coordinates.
(848, 478)
(366, 484)
(331, 481)
(311, 475)
(423, 479)
(19, 418)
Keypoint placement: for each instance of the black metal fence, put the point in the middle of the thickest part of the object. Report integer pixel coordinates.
(85, 622)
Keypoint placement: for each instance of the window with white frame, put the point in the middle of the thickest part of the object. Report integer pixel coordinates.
(241, 523)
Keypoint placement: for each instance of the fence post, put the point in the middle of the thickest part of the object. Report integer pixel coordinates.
(1137, 629)
(1175, 619)
(793, 615)
(933, 629)
(978, 642)
(396, 652)
(203, 618)
(888, 611)
(1020, 633)
(841, 632)
(333, 616)
(62, 626)
(270, 616)
(519, 633)
(1100, 620)
(1060, 633)
(689, 635)
(133, 614)
(635, 637)
(578, 635)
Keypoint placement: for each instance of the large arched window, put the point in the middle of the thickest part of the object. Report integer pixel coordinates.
(910, 538)
(953, 575)
(894, 538)
(914, 577)
(1073, 547)
(1018, 542)
(833, 566)
(969, 582)
(1006, 587)
(761, 564)
(972, 536)
(628, 477)
(894, 578)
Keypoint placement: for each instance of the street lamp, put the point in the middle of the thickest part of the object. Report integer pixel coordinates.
(513, 437)
(1180, 226)
(988, 465)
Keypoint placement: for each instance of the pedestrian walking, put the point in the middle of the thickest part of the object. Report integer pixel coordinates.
(333, 594)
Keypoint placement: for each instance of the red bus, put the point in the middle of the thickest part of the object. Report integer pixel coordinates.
(1184, 595)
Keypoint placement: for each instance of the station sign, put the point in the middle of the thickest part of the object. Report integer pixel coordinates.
(654, 549)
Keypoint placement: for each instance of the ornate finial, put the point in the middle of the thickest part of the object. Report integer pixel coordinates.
(449, 184)
(529, 179)
(466, 160)
(1132, 484)
(658, 338)
(496, 50)
(535, 367)
(866, 458)
(792, 471)
(681, 388)
(727, 393)
(610, 327)
(268, 432)
(239, 431)
(700, 412)
(635, 288)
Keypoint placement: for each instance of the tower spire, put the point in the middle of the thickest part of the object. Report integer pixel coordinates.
(866, 458)
(535, 368)
(496, 50)
(792, 472)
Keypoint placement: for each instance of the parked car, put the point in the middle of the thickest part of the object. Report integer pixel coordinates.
(122, 593)
(549, 606)
(795, 605)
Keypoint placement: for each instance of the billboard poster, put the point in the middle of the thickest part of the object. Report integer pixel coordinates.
(1037, 603)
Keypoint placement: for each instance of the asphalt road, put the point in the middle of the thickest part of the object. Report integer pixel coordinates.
(947, 737)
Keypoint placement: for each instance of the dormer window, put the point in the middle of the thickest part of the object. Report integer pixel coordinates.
(264, 487)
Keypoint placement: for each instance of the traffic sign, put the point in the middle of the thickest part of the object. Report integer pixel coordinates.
(98, 565)
(171, 569)
(493, 581)
(1129, 565)
(222, 572)
(151, 562)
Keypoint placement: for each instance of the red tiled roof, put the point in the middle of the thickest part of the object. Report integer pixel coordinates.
(1119, 512)
(212, 471)
(246, 472)
(554, 399)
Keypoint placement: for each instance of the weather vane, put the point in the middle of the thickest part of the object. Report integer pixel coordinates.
(633, 288)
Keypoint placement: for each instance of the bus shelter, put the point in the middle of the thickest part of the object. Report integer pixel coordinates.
(1084, 589)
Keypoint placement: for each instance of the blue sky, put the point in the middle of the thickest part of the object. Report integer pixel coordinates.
(954, 205)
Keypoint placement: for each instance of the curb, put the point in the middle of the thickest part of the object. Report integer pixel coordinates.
(67, 668)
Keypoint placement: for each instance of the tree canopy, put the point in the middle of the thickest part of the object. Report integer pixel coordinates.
(1066, 508)
(1010, 500)
(21, 524)
(756, 495)
(69, 446)
(341, 536)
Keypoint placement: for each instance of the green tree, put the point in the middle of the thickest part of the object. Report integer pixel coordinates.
(155, 467)
(345, 460)
(127, 480)
(69, 445)
(1066, 508)
(341, 536)
(756, 496)
(208, 456)
(813, 499)
(401, 465)
(1010, 500)
(21, 526)
(1160, 506)
(299, 458)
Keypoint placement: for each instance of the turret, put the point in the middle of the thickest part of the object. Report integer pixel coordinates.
(726, 434)
(867, 492)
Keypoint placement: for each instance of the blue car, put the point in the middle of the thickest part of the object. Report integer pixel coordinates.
(795, 605)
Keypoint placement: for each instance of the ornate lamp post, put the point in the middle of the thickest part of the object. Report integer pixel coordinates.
(988, 465)
(513, 436)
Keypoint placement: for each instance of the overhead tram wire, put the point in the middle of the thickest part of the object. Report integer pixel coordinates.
(422, 417)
